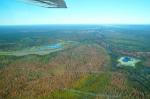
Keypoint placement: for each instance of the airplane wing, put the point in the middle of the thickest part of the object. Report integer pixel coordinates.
(49, 3)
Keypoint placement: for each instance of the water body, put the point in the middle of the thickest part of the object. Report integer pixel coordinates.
(52, 46)
(55, 46)
(128, 61)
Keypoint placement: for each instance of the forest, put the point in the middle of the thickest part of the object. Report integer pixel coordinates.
(84, 66)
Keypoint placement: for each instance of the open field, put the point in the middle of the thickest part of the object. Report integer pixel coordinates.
(41, 50)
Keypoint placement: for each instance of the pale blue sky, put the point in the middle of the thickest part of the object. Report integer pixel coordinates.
(15, 12)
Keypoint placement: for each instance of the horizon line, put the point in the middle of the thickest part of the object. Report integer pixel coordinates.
(76, 24)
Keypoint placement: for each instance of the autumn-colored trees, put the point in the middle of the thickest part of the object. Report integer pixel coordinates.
(30, 77)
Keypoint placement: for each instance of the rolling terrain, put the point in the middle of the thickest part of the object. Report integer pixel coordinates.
(85, 66)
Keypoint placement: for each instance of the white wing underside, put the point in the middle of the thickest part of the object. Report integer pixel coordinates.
(47, 3)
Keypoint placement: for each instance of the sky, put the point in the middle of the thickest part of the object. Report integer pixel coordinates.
(18, 12)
